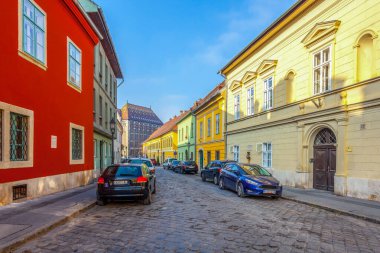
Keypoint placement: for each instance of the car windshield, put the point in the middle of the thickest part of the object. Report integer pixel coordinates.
(140, 161)
(123, 171)
(224, 163)
(189, 163)
(255, 170)
(175, 162)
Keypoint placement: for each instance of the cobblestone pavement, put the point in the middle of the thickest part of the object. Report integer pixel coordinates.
(188, 215)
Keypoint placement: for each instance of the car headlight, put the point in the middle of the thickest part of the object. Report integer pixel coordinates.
(251, 182)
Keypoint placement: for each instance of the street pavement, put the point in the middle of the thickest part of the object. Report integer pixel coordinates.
(188, 215)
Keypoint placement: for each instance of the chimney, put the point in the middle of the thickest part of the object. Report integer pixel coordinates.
(181, 111)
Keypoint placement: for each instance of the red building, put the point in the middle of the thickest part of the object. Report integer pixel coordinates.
(46, 92)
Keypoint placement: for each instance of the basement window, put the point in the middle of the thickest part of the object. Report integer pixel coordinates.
(19, 191)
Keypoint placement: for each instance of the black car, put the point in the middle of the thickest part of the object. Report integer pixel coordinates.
(187, 167)
(212, 170)
(126, 181)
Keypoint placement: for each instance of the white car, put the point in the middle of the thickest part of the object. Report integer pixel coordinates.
(145, 161)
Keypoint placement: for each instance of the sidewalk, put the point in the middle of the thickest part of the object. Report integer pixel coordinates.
(20, 222)
(365, 209)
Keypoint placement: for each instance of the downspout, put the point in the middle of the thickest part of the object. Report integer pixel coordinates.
(225, 116)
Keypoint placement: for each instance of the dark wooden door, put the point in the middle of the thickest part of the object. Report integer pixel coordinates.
(324, 167)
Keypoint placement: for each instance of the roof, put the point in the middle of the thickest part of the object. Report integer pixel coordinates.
(139, 113)
(169, 126)
(202, 102)
(96, 14)
(271, 30)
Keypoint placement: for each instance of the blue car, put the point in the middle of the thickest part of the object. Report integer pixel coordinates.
(249, 180)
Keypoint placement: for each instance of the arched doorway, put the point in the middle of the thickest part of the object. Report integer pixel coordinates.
(324, 160)
(201, 159)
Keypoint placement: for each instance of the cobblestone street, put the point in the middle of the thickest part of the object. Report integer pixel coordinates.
(188, 215)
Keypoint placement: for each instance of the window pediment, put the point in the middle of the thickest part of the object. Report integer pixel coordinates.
(266, 65)
(235, 85)
(248, 76)
(320, 31)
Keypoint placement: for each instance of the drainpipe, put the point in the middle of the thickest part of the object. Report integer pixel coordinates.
(225, 116)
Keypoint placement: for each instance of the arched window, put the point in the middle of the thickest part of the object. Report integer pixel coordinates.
(290, 89)
(365, 57)
(325, 137)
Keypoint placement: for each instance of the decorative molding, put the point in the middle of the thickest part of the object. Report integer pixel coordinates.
(235, 85)
(266, 65)
(248, 76)
(321, 30)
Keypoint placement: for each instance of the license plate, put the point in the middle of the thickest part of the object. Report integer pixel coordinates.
(119, 182)
(191, 167)
(270, 191)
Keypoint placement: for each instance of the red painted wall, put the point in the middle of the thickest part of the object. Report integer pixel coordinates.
(55, 104)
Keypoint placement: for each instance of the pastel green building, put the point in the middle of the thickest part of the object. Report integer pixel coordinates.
(186, 137)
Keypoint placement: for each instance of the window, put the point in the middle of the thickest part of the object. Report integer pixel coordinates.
(208, 156)
(111, 82)
(95, 148)
(237, 106)
(201, 130)
(217, 123)
(106, 77)
(267, 155)
(182, 134)
(236, 151)
(100, 110)
(192, 130)
(322, 71)
(250, 101)
(187, 132)
(106, 115)
(75, 68)
(19, 137)
(217, 155)
(1, 135)
(268, 93)
(34, 37)
(76, 144)
(94, 105)
(209, 127)
(100, 67)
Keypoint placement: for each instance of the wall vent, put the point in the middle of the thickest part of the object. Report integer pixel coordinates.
(19, 191)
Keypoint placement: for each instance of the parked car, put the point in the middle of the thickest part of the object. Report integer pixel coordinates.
(174, 165)
(168, 163)
(126, 181)
(154, 162)
(212, 170)
(249, 179)
(186, 167)
(145, 161)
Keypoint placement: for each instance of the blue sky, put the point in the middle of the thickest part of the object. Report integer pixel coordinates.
(171, 50)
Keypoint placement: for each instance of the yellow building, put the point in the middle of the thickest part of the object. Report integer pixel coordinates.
(162, 143)
(210, 116)
(304, 98)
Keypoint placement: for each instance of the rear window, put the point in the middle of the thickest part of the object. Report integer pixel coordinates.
(189, 163)
(123, 171)
(138, 161)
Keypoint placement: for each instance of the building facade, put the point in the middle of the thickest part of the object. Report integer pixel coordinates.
(139, 123)
(107, 71)
(45, 141)
(186, 137)
(303, 99)
(210, 117)
(163, 143)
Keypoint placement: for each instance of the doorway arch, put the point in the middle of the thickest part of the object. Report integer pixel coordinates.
(324, 164)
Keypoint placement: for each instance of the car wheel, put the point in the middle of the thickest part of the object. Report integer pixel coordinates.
(240, 190)
(101, 201)
(148, 199)
(203, 177)
(216, 180)
(154, 190)
(221, 184)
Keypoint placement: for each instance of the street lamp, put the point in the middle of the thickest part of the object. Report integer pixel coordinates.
(112, 126)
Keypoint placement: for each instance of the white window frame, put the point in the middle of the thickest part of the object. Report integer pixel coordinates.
(217, 123)
(250, 101)
(201, 130)
(32, 56)
(321, 86)
(76, 84)
(5, 162)
(237, 106)
(267, 155)
(268, 93)
(236, 151)
(78, 127)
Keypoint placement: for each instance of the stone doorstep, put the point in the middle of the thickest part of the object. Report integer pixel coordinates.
(13, 229)
(293, 197)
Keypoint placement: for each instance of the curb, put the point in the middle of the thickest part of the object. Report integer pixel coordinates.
(43, 230)
(333, 210)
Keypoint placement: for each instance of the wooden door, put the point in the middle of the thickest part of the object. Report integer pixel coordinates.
(324, 167)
